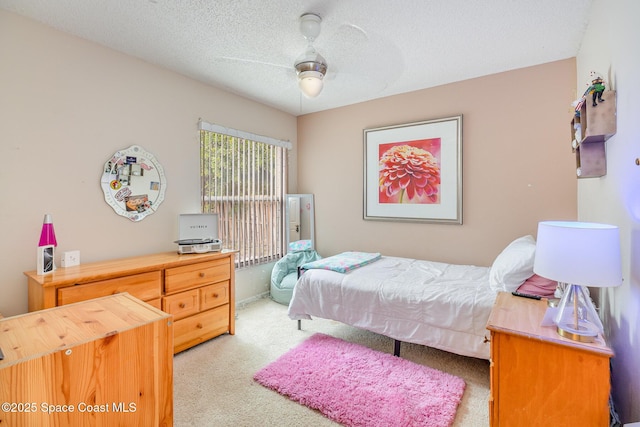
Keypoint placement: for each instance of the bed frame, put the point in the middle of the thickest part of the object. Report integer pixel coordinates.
(430, 322)
(396, 343)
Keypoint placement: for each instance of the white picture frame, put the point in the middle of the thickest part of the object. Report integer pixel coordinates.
(436, 148)
(45, 259)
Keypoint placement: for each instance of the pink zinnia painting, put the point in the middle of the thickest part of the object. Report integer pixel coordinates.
(410, 172)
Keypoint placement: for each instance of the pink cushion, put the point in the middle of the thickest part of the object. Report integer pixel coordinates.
(537, 285)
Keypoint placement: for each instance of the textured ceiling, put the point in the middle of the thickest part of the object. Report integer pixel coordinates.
(374, 48)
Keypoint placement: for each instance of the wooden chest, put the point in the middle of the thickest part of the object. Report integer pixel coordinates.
(103, 362)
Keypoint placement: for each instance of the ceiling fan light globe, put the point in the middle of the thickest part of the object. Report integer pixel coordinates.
(310, 83)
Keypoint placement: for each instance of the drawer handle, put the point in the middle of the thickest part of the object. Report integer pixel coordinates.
(181, 305)
(215, 295)
(199, 325)
(202, 274)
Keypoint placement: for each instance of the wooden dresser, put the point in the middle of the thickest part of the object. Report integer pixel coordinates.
(539, 378)
(197, 289)
(103, 362)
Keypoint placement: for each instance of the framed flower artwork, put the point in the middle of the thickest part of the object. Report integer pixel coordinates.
(413, 171)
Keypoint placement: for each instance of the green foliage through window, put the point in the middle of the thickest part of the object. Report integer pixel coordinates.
(243, 182)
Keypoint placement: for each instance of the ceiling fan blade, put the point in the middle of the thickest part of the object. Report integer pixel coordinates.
(223, 59)
(364, 55)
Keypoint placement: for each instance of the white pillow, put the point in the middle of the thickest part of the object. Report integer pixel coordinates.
(514, 265)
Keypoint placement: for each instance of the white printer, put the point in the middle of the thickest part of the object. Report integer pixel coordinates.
(198, 234)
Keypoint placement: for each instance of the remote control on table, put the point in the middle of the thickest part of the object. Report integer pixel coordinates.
(519, 294)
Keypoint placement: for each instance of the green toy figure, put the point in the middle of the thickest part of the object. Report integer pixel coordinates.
(596, 88)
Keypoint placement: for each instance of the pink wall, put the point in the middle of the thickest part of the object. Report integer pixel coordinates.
(518, 167)
(67, 105)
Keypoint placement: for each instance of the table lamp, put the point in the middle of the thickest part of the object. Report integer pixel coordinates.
(578, 254)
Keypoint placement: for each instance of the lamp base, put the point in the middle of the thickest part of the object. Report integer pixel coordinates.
(577, 318)
(586, 332)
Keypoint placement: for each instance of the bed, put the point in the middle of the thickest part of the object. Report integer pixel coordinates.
(440, 305)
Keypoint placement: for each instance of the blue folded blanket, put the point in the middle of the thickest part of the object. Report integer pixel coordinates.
(344, 262)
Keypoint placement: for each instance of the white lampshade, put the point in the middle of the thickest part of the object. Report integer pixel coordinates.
(310, 83)
(580, 253)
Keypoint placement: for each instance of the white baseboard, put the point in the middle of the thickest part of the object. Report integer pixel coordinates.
(242, 304)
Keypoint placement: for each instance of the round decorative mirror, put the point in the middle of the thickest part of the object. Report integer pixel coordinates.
(133, 183)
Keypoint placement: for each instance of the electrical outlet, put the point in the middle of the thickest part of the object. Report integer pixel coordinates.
(70, 258)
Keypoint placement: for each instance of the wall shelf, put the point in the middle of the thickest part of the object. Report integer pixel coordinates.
(597, 125)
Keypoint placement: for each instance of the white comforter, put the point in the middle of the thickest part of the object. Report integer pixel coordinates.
(439, 305)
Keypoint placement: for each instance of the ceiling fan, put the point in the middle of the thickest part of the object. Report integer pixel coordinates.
(311, 67)
(354, 48)
(355, 62)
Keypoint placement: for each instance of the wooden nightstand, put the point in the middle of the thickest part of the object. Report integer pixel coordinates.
(539, 378)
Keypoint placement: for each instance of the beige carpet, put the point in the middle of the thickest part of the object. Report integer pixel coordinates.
(214, 386)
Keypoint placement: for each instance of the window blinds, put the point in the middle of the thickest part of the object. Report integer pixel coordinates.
(243, 180)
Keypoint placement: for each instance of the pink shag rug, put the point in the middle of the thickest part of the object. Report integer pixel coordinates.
(357, 386)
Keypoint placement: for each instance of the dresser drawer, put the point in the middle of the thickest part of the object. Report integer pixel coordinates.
(194, 275)
(214, 295)
(181, 305)
(144, 286)
(156, 302)
(201, 327)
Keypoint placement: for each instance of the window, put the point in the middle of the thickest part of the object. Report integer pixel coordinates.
(243, 180)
